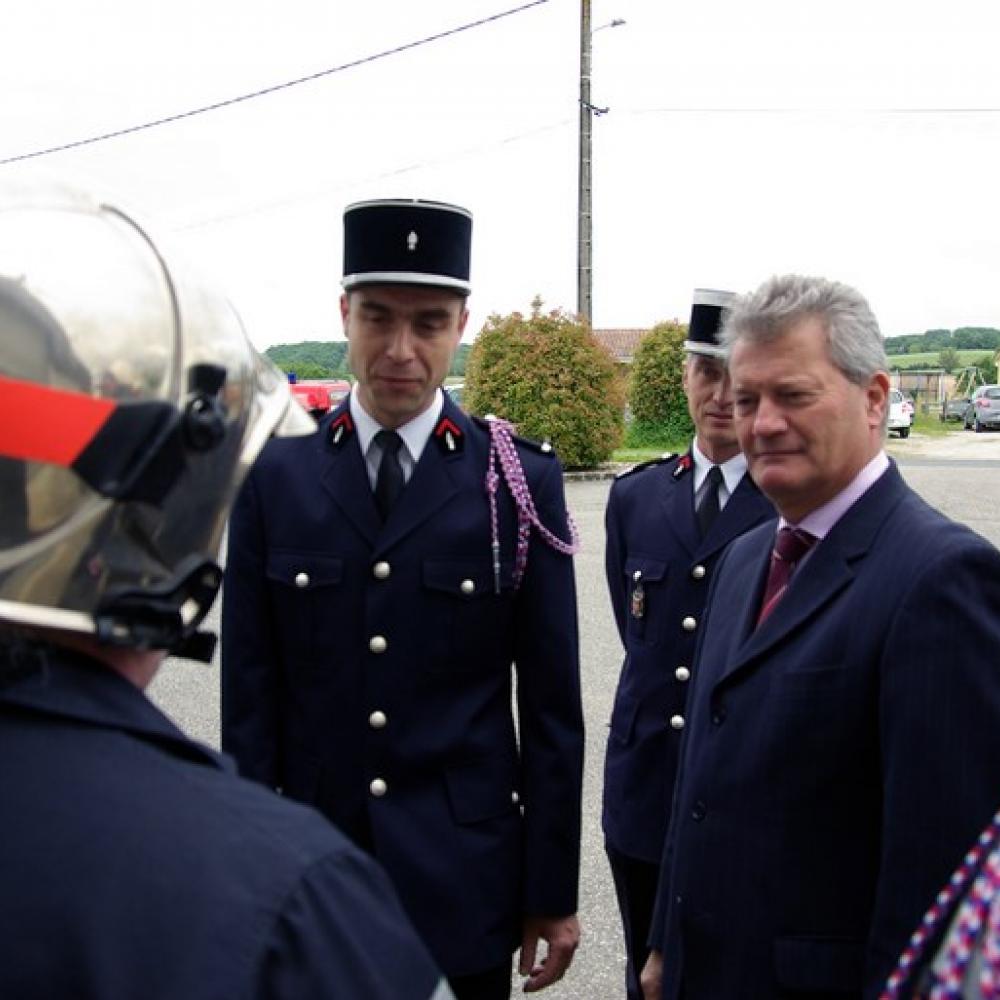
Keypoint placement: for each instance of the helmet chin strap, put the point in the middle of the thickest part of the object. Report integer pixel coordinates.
(164, 617)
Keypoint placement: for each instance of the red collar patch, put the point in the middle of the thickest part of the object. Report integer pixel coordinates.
(684, 463)
(341, 430)
(449, 436)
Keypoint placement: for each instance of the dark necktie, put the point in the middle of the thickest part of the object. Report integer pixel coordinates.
(708, 509)
(790, 546)
(389, 482)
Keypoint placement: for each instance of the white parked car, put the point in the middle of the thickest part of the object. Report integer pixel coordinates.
(900, 413)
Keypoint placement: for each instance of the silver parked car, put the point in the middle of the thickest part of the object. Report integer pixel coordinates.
(983, 410)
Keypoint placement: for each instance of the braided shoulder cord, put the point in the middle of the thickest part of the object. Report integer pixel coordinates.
(978, 915)
(502, 448)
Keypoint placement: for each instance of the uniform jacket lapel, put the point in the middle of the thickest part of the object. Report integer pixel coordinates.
(743, 510)
(677, 497)
(344, 476)
(434, 482)
(830, 569)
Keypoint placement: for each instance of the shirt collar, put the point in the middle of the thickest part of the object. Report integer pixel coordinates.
(733, 469)
(820, 522)
(415, 433)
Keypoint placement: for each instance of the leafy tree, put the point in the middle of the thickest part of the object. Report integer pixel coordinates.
(948, 359)
(548, 375)
(987, 365)
(659, 406)
(460, 360)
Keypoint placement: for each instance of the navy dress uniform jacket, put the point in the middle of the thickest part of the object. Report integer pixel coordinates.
(838, 760)
(367, 671)
(136, 864)
(652, 530)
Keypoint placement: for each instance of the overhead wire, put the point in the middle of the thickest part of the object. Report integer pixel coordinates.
(274, 88)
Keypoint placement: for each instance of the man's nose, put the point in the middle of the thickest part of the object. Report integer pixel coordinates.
(769, 418)
(401, 342)
(722, 394)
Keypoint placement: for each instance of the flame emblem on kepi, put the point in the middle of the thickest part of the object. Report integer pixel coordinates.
(411, 241)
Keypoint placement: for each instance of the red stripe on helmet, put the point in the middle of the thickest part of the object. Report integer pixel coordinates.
(41, 424)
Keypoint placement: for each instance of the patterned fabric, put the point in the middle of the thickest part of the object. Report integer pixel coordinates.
(967, 966)
(790, 545)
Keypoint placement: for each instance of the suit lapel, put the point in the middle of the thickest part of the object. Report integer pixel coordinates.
(830, 569)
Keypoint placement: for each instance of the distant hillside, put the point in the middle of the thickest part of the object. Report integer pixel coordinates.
(964, 338)
(328, 358)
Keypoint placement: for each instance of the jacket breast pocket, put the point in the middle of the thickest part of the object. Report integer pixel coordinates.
(645, 595)
(303, 586)
(468, 624)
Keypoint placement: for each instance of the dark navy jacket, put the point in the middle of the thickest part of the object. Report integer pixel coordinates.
(651, 530)
(134, 863)
(367, 671)
(838, 760)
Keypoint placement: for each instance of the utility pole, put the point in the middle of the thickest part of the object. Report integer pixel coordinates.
(584, 240)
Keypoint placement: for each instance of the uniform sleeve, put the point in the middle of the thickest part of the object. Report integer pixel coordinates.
(342, 935)
(550, 715)
(614, 562)
(250, 661)
(939, 715)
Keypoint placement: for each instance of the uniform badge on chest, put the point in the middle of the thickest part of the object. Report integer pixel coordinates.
(638, 595)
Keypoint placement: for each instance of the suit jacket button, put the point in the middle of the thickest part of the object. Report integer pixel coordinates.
(301, 580)
(718, 717)
(682, 674)
(467, 587)
(377, 644)
(377, 720)
(698, 812)
(677, 721)
(378, 788)
(698, 572)
(515, 798)
(381, 570)
(689, 624)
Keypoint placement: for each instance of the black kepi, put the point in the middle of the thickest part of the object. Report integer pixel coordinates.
(707, 314)
(407, 242)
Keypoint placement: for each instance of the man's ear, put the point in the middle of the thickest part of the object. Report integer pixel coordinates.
(345, 308)
(878, 398)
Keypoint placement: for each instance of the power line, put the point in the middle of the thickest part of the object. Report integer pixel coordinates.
(693, 110)
(263, 92)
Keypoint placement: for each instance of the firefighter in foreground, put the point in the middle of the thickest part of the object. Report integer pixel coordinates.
(134, 862)
(382, 578)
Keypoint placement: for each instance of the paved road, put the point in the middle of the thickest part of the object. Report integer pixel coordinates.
(965, 484)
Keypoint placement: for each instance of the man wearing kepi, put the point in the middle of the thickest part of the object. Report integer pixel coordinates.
(381, 581)
(134, 862)
(843, 736)
(667, 524)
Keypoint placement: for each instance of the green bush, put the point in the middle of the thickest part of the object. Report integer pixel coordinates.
(548, 376)
(659, 406)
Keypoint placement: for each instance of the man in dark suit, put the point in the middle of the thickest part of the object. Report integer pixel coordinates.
(667, 524)
(843, 737)
(134, 862)
(381, 580)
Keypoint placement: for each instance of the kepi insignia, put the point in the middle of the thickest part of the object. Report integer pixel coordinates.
(412, 240)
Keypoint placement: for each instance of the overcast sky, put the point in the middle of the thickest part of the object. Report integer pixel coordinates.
(859, 140)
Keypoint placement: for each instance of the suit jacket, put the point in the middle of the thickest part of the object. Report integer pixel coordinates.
(652, 530)
(136, 864)
(838, 759)
(367, 670)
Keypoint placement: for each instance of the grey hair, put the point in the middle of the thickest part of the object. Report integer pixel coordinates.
(854, 340)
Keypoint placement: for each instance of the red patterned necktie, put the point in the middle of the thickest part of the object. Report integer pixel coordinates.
(790, 546)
